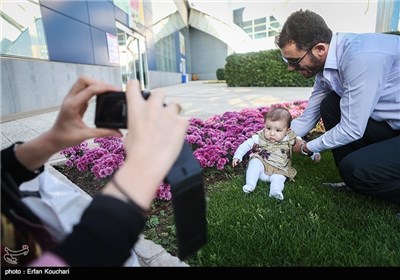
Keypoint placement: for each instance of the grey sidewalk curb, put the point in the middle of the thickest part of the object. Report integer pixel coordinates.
(154, 255)
(149, 254)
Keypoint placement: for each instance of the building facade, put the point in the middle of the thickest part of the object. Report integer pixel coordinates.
(261, 30)
(46, 45)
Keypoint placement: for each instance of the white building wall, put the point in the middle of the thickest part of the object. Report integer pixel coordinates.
(27, 86)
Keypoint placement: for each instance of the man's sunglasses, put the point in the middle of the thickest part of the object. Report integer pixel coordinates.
(295, 64)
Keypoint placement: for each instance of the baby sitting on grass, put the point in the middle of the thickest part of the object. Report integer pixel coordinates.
(270, 160)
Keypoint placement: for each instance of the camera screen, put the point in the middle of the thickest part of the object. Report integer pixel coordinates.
(111, 110)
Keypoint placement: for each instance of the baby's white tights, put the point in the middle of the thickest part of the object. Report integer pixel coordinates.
(255, 171)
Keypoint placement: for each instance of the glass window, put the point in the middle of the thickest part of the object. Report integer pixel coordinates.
(165, 51)
(132, 55)
(185, 32)
(247, 23)
(273, 22)
(123, 5)
(248, 30)
(273, 33)
(128, 53)
(260, 28)
(260, 20)
(143, 64)
(260, 35)
(22, 30)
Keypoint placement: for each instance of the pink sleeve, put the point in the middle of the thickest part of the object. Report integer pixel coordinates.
(48, 259)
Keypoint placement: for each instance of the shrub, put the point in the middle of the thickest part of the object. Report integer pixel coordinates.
(393, 32)
(261, 69)
(221, 74)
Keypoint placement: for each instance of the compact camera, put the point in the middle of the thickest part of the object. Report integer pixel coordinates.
(111, 109)
(185, 177)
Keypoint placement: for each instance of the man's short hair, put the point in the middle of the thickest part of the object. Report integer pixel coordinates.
(305, 29)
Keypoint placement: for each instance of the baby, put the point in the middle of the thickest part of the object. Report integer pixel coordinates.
(270, 160)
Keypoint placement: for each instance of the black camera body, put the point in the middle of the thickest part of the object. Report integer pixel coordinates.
(185, 177)
(112, 111)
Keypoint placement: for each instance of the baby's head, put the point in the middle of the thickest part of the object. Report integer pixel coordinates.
(277, 124)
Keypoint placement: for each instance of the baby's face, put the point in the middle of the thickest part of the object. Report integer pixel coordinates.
(275, 131)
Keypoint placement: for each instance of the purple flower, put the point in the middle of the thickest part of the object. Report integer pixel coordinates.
(164, 192)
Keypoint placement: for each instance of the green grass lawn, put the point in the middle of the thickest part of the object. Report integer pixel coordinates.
(311, 227)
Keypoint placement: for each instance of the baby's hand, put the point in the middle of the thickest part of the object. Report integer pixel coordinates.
(316, 157)
(235, 162)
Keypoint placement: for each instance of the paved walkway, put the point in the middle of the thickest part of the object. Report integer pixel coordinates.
(198, 99)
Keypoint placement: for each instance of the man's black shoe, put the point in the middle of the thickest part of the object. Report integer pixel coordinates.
(341, 186)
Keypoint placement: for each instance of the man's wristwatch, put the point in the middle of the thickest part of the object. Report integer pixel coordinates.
(303, 152)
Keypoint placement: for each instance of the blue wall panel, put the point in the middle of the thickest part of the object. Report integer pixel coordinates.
(150, 49)
(101, 15)
(75, 9)
(151, 60)
(100, 49)
(68, 40)
(76, 31)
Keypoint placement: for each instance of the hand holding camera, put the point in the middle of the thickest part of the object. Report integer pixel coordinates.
(185, 176)
(112, 110)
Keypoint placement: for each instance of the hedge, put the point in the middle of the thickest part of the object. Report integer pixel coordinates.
(261, 69)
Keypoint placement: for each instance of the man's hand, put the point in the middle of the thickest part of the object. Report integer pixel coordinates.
(316, 157)
(297, 146)
(235, 162)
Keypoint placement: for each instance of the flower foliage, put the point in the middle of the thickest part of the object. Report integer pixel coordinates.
(102, 160)
(214, 141)
(164, 192)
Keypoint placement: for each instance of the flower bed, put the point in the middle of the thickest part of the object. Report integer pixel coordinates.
(213, 141)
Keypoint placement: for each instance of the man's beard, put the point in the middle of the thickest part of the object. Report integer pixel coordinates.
(311, 71)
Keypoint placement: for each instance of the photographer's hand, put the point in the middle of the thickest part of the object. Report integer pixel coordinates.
(155, 138)
(69, 129)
